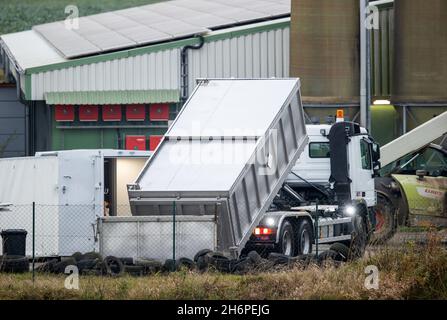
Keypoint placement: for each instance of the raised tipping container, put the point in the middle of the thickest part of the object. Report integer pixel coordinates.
(226, 155)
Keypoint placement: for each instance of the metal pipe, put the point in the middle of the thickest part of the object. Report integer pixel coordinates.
(184, 76)
(363, 65)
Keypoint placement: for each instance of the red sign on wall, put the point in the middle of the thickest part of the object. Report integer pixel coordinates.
(154, 141)
(135, 142)
(159, 112)
(64, 113)
(88, 113)
(135, 112)
(111, 113)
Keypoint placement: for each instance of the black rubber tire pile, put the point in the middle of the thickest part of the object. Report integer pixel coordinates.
(92, 263)
(205, 260)
(14, 264)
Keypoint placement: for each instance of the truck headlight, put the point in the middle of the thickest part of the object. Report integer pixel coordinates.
(350, 210)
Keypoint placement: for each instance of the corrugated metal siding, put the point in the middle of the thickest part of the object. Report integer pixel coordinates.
(157, 70)
(260, 54)
(263, 54)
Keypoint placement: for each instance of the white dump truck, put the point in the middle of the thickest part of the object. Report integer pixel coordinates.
(239, 170)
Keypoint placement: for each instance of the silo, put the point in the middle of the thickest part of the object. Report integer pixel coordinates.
(325, 40)
(420, 55)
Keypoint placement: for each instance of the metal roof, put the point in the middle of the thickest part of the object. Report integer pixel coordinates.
(112, 97)
(155, 23)
(30, 50)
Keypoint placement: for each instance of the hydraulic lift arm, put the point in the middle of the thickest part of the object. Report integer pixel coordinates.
(414, 140)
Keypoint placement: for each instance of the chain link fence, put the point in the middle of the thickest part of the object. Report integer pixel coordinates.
(85, 236)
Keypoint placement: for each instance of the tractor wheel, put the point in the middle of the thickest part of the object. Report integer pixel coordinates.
(384, 214)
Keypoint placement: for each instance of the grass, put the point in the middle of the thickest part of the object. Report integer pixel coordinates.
(409, 272)
(19, 15)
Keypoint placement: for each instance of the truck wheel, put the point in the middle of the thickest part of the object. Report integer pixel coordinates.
(287, 241)
(384, 213)
(304, 241)
(359, 237)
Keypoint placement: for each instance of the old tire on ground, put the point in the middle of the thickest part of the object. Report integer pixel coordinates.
(385, 218)
(280, 259)
(242, 266)
(150, 266)
(304, 238)
(113, 266)
(286, 245)
(219, 261)
(329, 256)
(202, 264)
(185, 263)
(77, 256)
(14, 264)
(62, 265)
(169, 265)
(134, 270)
(91, 256)
(201, 253)
(254, 257)
(88, 264)
(48, 266)
(342, 250)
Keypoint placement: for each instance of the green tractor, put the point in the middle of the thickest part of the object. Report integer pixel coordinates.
(412, 188)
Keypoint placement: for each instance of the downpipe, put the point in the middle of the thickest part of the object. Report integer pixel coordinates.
(184, 75)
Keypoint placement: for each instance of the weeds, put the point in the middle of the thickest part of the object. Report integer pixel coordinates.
(409, 272)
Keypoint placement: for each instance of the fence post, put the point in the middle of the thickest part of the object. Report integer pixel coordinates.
(317, 228)
(34, 239)
(173, 234)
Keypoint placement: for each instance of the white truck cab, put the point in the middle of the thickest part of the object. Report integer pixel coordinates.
(336, 171)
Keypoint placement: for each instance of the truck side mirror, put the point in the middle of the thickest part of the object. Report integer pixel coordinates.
(375, 152)
(421, 174)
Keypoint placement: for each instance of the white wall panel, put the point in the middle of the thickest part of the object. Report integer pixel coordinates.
(261, 54)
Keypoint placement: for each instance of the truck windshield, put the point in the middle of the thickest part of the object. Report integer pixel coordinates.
(319, 150)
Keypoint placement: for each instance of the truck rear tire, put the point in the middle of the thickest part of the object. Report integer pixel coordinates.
(304, 238)
(287, 242)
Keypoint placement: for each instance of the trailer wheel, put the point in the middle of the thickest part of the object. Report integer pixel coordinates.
(286, 244)
(304, 241)
(384, 213)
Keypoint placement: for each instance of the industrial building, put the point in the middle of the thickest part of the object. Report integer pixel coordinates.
(118, 80)
(123, 95)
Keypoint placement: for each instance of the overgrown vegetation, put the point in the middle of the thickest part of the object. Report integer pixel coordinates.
(19, 15)
(409, 272)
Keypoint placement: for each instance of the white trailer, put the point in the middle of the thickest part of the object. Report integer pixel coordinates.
(71, 190)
